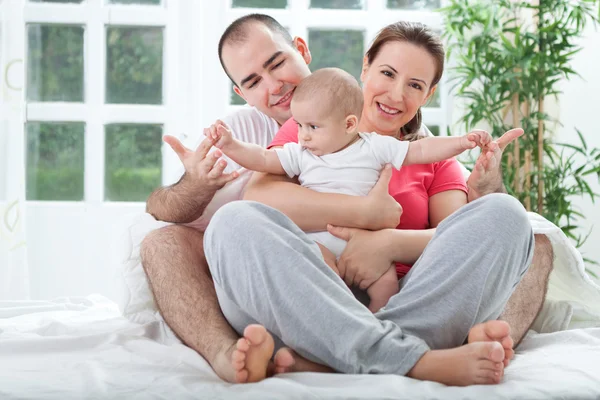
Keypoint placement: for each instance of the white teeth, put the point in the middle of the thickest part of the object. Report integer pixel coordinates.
(388, 110)
(284, 98)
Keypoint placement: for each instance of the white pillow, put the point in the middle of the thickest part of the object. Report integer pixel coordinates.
(136, 300)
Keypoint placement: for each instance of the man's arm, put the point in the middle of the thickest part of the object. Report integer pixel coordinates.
(181, 202)
(186, 200)
(312, 211)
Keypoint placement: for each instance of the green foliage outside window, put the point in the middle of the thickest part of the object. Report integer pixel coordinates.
(55, 163)
(336, 48)
(133, 161)
(134, 65)
(260, 3)
(55, 63)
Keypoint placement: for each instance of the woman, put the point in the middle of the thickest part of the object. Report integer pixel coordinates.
(465, 273)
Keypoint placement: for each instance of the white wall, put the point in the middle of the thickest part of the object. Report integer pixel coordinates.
(579, 106)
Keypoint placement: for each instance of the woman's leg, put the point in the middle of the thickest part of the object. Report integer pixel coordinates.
(466, 274)
(263, 264)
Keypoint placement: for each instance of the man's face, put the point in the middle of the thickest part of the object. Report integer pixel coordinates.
(267, 69)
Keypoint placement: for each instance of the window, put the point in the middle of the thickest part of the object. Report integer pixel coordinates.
(96, 98)
(339, 32)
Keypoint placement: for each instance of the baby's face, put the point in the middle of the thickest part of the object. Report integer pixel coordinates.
(318, 131)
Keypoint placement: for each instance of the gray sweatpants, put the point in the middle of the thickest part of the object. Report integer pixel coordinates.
(266, 270)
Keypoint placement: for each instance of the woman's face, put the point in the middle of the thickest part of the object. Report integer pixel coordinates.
(395, 85)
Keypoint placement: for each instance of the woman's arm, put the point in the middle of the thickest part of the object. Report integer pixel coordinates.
(369, 255)
(406, 246)
(312, 211)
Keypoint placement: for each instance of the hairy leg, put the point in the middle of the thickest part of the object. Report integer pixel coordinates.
(173, 258)
(528, 298)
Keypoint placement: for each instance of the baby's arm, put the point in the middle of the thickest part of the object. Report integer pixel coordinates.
(248, 155)
(434, 149)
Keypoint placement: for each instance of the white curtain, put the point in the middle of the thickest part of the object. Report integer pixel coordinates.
(14, 273)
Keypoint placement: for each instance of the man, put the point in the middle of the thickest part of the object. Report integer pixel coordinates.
(265, 65)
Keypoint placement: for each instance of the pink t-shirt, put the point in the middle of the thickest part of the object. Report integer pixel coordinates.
(411, 186)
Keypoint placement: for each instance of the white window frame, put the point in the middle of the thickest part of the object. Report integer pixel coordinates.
(299, 18)
(95, 16)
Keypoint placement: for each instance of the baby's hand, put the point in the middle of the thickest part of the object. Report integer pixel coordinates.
(221, 134)
(476, 138)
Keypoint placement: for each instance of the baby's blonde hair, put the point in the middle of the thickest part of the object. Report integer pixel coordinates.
(335, 88)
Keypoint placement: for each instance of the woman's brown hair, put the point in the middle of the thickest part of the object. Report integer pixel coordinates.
(419, 35)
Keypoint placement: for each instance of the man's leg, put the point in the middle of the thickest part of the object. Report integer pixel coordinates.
(466, 274)
(173, 258)
(528, 298)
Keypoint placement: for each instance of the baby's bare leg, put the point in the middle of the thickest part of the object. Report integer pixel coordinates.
(329, 258)
(382, 289)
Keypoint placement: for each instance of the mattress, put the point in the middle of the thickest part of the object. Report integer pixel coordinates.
(83, 348)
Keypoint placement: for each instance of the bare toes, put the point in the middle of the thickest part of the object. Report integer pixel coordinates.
(238, 355)
(242, 345)
(241, 376)
(496, 352)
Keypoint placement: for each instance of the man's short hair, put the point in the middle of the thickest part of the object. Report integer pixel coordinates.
(337, 90)
(237, 33)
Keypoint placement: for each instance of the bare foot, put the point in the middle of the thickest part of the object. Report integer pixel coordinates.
(477, 363)
(222, 364)
(251, 356)
(287, 360)
(494, 331)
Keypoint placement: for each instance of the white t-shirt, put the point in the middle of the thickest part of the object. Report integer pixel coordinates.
(248, 125)
(352, 171)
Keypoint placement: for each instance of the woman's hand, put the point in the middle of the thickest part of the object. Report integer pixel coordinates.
(381, 210)
(366, 257)
(487, 174)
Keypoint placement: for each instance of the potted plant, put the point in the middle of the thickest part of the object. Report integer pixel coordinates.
(508, 57)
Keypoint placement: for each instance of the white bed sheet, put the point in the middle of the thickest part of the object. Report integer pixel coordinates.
(82, 348)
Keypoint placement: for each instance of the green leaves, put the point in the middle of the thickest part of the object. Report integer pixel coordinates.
(498, 53)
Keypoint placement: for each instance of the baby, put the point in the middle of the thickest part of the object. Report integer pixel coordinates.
(332, 156)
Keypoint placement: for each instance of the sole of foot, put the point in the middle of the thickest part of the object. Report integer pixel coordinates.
(252, 354)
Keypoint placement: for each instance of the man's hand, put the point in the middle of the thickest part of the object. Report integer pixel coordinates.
(364, 259)
(200, 169)
(381, 210)
(487, 174)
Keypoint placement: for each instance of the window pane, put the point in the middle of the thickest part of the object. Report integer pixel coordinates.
(55, 153)
(55, 63)
(414, 4)
(134, 65)
(55, 1)
(133, 161)
(342, 49)
(347, 4)
(434, 129)
(144, 2)
(260, 3)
